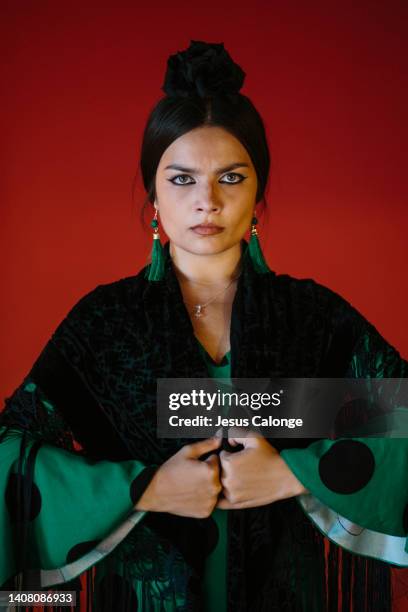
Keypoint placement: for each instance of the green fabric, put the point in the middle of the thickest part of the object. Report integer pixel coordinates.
(381, 504)
(81, 500)
(215, 577)
(363, 507)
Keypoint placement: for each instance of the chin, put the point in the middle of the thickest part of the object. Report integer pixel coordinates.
(211, 245)
(205, 245)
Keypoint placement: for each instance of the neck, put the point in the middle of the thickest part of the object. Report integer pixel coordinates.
(212, 270)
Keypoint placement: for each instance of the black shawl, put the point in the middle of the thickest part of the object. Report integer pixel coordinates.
(107, 355)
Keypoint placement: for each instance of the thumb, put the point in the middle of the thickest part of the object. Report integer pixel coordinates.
(247, 438)
(212, 460)
(196, 449)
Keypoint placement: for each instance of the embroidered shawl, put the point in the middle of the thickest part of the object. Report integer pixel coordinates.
(87, 411)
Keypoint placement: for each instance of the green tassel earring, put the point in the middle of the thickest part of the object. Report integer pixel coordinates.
(255, 251)
(156, 267)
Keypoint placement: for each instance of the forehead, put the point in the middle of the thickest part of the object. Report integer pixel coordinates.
(211, 145)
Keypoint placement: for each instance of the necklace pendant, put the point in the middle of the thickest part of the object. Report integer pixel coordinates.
(198, 311)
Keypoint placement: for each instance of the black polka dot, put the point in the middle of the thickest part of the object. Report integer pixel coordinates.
(79, 550)
(347, 466)
(212, 535)
(405, 519)
(15, 487)
(115, 593)
(141, 482)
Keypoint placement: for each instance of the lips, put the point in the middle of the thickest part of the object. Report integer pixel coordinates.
(207, 225)
(207, 229)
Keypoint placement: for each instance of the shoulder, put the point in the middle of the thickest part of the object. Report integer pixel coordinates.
(314, 295)
(343, 321)
(105, 307)
(324, 308)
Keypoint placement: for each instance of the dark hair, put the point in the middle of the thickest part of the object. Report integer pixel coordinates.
(209, 98)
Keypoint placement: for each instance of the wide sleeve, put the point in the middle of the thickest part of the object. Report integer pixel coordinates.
(358, 486)
(63, 508)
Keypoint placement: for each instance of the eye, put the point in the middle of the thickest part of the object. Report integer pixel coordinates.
(180, 176)
(240, 177)
(180, 179)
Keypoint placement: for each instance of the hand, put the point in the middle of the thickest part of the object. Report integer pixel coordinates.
(256, 475)
(184, 484)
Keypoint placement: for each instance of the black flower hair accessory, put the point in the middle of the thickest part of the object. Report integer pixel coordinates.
(204, 69)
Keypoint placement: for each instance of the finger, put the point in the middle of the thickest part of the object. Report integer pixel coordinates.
(196, 449)
(248, 438)
(213, 461)
(225, 456)
(225, 466)
(224, 504)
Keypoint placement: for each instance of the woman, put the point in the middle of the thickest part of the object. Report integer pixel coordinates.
(221, 523)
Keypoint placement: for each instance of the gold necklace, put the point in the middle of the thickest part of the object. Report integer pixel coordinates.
(198, 308)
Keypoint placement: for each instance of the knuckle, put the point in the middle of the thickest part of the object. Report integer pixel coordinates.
(183, 450)
(209, 466)
(228, 497)
(205, 513)
(215, 489)
(232, 495)
(205, 466)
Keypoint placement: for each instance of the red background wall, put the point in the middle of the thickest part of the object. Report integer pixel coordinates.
(79, 78)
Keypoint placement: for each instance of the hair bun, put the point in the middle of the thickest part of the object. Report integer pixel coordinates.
(204, 69)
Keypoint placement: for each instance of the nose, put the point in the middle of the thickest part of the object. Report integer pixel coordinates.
(208, 201)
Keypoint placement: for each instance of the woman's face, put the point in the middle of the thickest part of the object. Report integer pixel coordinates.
(214, 182)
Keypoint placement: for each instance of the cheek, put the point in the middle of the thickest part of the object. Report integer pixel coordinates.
(172, 216)
(241, 210)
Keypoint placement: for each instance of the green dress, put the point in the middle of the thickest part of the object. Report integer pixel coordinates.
(215, 577)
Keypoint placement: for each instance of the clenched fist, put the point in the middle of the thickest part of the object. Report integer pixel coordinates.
(184, 484)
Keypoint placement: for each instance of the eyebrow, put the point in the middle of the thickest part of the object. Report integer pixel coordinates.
(194, 171)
